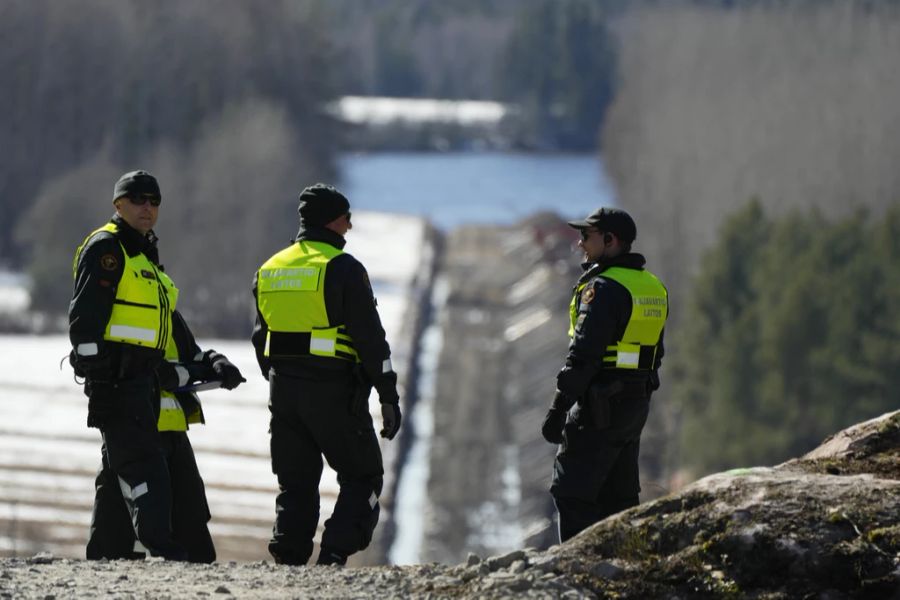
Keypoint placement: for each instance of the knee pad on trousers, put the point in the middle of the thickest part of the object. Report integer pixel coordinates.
(367, 523)
(111, 534)
(368, 529)
(352, 524)
(148, 503)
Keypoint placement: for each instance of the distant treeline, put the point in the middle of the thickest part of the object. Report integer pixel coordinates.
(226, 103)
(221, 100)
(552, 58)
(790, 333)
(798, 105)
(115, 84)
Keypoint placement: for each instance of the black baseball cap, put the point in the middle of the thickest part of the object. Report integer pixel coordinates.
(136, 183)
(612, 220)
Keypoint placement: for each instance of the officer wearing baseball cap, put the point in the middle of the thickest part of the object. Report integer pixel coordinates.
(134, 349)
(136, 184)
(616, 321)
(611, 220)
(320, 343)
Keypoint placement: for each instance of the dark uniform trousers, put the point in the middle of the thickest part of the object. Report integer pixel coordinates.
(312, 417)
(112, 534)
(134, 469)
(595, 473)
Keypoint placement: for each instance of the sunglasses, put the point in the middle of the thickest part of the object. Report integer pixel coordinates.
(348, 216)
(144, 199)
(586, 233)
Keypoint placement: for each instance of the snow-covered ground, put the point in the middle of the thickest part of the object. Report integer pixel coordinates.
(380, 110)
(13, 292)
(48, 457)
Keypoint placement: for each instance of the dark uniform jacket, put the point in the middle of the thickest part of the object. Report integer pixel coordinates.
(349, 300)
(97, 274)
(601, 323)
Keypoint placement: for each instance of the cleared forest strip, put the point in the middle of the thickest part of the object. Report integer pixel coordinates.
(404, 354)
(504, 337)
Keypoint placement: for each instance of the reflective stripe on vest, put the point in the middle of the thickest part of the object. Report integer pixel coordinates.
(290, 295)
(171, 413)
(649, 310)
(145, 299)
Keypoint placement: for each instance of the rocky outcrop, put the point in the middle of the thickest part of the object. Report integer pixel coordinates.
(825, 525)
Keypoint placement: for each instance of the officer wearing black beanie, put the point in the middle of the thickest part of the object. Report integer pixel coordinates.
(321, 204)
(320, 343)
(134, 350)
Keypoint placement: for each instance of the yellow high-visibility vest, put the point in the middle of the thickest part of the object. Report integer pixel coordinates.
(290, 294)
(144, 303)
(171, 414)
(142, 316)
(649, 310)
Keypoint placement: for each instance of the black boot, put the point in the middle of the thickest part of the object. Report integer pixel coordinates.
(284, 556)
(331, 557)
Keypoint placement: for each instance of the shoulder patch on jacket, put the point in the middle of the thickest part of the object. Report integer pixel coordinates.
(587, 296)
(109, 262)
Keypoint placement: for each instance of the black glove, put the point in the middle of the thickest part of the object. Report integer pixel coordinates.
(574, 379)
(103, 402)
(390, 419)
(653, 383)
(555, 421)
(386, 386)
(223, 368)
(552, 429)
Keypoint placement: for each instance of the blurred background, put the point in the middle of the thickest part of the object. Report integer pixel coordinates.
(754, 142)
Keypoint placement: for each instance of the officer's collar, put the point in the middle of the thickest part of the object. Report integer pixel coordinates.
(630, 260)
(321, 234)
(132, 240)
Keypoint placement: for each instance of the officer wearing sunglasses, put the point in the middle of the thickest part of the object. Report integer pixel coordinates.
(616, 320)
(133, 350)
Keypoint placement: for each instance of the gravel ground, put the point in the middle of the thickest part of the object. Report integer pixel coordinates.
(822, 526)
(519, 574)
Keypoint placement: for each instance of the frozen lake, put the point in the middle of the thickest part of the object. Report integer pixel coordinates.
(456, 188)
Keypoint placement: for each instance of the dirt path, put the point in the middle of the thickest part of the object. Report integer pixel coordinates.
(518, 575)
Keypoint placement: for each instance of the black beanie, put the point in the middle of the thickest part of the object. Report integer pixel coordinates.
(136, 183)
(321, 204)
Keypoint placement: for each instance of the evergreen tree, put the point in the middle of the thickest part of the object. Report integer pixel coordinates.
(559, 66)
(791, 334)
(224, 106)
